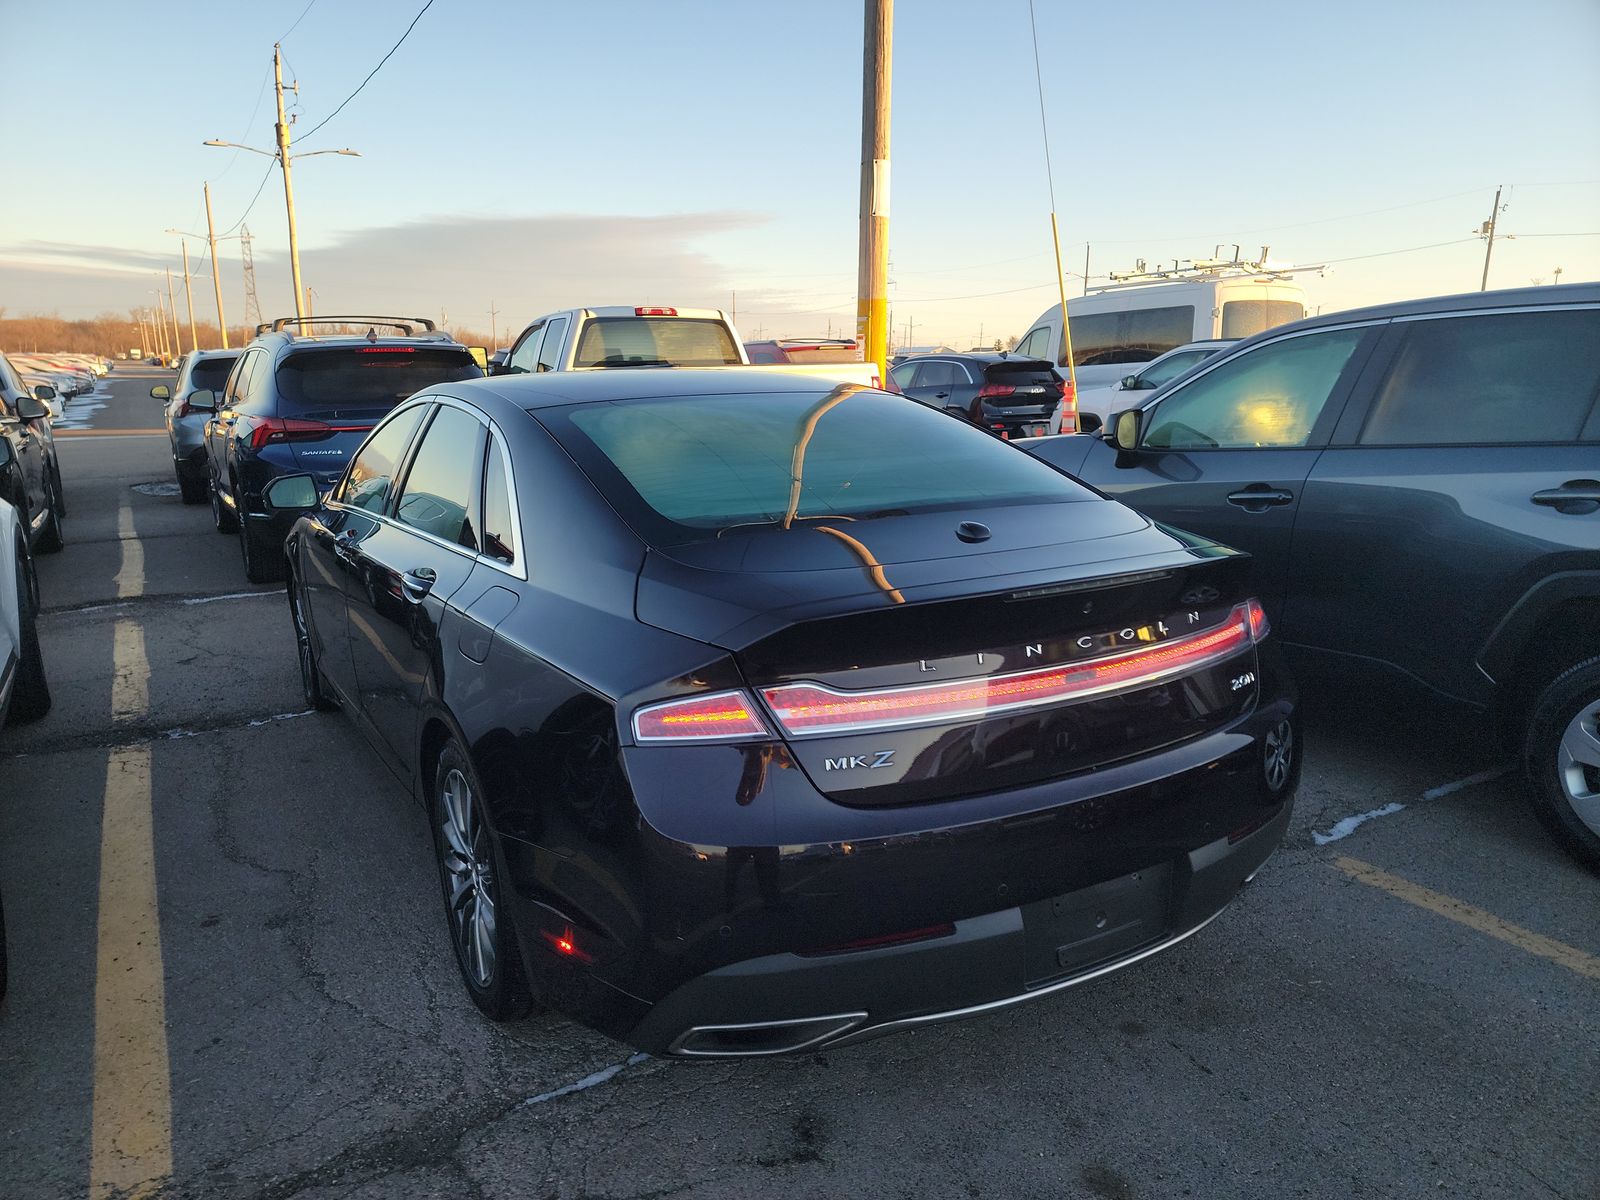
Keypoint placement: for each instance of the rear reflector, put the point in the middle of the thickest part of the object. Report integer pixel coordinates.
(655, 312)
(809, 708)
(699, 718)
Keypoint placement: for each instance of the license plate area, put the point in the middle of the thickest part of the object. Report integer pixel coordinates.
(1073, 932)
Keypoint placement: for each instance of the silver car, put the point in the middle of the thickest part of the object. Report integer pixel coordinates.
(188, 404)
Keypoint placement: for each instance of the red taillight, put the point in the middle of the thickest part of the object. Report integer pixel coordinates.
(699, 718)
(1258, 620)
(808, 708)
(273, 430)
(183, 408)
(655, 312)
(991, 390)
(565, 943)
(386, 350)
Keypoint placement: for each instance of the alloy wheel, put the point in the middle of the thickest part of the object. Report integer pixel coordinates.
(469, 877)
(1279, 755)
(1578, 764)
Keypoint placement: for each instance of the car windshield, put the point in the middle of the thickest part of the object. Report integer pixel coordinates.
(655, 341)
(687, 468)
(364, 377)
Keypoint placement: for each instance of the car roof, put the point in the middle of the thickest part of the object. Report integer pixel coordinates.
(553, 389)
(1566, 293)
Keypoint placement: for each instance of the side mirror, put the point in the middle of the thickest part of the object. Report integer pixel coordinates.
(1125, 430)
(30, 409)
(479, 356)
(161, 392)
(291, 494)
(45, 392)
(497, 362)
(1130, 383)
(205, 400)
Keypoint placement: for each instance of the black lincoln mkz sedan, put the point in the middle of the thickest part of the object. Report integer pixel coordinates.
(753, 716)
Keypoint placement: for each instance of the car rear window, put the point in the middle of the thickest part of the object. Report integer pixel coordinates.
(685, 468)
(211, 373)
(365, 377)
(655, 342)
(1246, 318)
(1020, 372)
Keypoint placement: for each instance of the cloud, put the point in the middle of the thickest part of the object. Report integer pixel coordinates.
(525, 266)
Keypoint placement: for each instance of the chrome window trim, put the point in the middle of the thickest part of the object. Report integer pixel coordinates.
(1445, 314)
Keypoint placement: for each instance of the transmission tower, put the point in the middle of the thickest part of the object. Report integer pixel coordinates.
(252, 305)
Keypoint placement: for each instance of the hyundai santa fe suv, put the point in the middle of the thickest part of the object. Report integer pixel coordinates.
(752, 714)
(301, 402)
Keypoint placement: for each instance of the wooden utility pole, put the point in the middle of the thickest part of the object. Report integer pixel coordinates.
(172, 307)
(216, 272)
(188, 298)
(872, 287)
(1488, 228)
(494, 330)
(288, 184)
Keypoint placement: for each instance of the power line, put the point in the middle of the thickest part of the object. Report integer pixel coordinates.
(248, 126)
(370, 74)
(267, 174)
(298, 19)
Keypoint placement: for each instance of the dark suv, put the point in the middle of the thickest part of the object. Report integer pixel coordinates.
(1419, 485)
(301, 403)
(1012, 397)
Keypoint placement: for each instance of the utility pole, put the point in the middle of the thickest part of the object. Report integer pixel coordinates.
(1488, 230)
(310, 311)
(1086, 268)
(188, 297)
(288, 183)
(172, 307)
(494, 330)
(733, 313)
(216, 272)
(872, 285)
(1558, 276)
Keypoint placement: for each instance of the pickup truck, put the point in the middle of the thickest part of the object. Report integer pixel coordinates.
(598, 339)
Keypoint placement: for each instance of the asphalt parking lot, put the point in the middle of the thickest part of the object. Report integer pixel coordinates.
(231, 976)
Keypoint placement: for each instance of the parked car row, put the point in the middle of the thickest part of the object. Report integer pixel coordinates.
(30, 474)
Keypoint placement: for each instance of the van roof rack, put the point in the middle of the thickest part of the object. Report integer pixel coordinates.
(406, 325)
(1200, 269)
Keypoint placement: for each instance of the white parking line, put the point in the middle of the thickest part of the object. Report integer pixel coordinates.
(1344, 828)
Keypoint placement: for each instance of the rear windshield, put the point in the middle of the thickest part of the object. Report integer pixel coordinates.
(655, 342)
(356, 377)
(685, 469)
(1014, 372)
(1245, 318)
(211, 373)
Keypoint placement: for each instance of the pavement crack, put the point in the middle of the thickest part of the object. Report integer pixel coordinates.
(143, 732)
(153, 600)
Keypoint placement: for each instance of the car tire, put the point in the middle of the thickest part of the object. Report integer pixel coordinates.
(58, 495)
(50, 540)
(480, 926)
(1561, 755)
(262, 564)
(30, 697)
(222, 517)
(312, 684)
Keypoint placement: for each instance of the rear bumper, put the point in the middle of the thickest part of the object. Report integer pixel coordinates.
(782, 1003)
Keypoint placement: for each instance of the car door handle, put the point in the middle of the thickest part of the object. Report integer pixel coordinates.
(417, 583)
(344, 546)
(940, 395)
(1259, 497)
(1576, 496)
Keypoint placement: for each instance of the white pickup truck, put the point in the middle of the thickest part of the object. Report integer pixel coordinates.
(599, 339)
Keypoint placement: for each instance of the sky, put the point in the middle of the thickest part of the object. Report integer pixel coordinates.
(529, 157)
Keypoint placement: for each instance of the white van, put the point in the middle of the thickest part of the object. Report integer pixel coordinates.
(1134, 323)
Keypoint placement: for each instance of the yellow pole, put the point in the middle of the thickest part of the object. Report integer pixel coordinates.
(872, 291)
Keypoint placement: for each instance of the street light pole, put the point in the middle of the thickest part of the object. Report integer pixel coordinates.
(172, 307)
(1488, 228)
(288, 184)
(216, 272)
(188, 297)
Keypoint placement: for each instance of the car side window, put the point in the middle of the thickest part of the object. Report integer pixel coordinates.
(526, 355)
(371, 476)
(1267, 397)
(440, 488)
(240, 379)
(902, 374)
(1502, 379)
(499, 542)
(550, 352)
(1159, 373)
(938, 374)
(1035, 345)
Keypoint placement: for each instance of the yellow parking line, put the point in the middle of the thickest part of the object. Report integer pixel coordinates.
(131, 1133)
(1570, 957)
(131, 1136)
